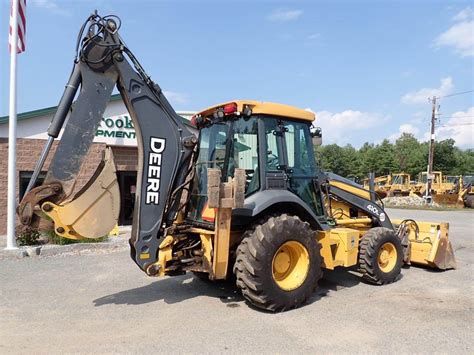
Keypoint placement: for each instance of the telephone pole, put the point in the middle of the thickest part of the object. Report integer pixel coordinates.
(429, 173)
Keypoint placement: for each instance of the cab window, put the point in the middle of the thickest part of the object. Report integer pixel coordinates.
(299, 149)
(244, 154)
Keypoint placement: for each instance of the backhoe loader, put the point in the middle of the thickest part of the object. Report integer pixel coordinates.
(245, 198)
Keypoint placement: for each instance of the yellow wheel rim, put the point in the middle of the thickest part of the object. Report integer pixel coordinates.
(290, 265)
(387, 257)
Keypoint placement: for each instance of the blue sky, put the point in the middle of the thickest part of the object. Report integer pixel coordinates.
(365, 67)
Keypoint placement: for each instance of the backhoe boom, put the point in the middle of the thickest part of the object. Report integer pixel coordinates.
(165, 145)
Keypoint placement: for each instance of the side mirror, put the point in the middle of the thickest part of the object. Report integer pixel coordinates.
(316, 135)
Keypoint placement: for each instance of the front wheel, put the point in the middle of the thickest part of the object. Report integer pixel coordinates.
(278, 263)
(380, 256)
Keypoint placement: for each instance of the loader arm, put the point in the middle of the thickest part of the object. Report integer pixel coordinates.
(165, 145)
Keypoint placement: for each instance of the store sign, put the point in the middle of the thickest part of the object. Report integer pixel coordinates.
(116, 130)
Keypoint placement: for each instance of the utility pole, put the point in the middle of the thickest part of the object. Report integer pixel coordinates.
(429, 173)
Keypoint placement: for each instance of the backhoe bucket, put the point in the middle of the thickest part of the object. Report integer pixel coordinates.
(93, 211)
(430, 246)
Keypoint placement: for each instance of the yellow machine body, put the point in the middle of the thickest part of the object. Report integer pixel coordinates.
(339, 247)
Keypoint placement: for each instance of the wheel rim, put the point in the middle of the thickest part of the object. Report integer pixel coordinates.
(387, 257)
(290, 265)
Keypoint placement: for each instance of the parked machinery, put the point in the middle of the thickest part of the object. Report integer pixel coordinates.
(466, 191)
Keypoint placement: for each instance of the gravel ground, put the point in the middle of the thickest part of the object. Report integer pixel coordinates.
(102, 303)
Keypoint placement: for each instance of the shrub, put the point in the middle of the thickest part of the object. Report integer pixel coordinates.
(28, 236)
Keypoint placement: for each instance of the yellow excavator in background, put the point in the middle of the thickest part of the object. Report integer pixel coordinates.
(245, 198)
(443, 190)
(381, 185)
(391, 185)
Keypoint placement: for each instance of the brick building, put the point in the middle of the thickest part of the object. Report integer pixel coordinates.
(116, 131)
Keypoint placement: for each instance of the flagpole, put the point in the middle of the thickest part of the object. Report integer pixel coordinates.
(11, 218)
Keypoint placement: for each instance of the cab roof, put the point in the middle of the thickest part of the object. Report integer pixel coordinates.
(264, 108)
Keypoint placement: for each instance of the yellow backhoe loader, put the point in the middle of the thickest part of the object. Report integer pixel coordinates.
(246, 198)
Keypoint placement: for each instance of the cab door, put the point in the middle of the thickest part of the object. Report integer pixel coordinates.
(301, 165)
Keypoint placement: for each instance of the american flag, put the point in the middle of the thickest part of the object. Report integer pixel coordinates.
(21, 26)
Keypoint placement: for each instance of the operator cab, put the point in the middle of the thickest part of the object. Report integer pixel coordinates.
(272, 142)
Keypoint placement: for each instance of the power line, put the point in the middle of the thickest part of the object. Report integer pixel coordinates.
(457, 124)
(455, 94)
(460, 116)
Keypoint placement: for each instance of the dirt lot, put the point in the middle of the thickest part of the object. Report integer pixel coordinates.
(103, 303)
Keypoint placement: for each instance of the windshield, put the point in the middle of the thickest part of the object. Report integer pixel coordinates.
(212, 147)
(400, 180)
(468, 180)
(224, 145)
(452, 179)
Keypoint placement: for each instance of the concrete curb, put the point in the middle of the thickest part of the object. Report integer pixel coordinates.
(49, 250)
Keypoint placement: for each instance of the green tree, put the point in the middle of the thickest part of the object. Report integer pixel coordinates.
(445, 156)
(409, 155)
(406, 155)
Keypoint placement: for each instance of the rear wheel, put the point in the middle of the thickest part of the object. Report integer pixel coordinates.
(469, 201)
(380, 256)
(278, 263)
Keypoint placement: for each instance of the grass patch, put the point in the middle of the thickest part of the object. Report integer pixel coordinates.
(53, 238)
(30, 236)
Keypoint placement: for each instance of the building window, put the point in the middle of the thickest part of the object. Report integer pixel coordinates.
(25, 177)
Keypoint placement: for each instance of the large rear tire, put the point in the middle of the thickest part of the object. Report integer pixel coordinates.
(380, 256)
(278, 263)
(469, 201)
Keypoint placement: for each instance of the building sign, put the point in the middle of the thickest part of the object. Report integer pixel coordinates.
(119, 130)
(120, 126)
(116, 130)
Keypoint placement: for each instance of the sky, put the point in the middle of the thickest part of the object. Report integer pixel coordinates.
(366, 68)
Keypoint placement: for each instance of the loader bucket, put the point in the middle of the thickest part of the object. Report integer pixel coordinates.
(445, 199)
(93, 211)
(430, 246)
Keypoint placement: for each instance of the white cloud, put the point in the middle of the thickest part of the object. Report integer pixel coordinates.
(460, 36)
(422, 95)
(404, 128)
(340, 127)
(281, 15)
(464, 14)
(460, 127)
(51, 6)
(176, 97)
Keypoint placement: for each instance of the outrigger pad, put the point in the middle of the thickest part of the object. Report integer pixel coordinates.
(93, 212)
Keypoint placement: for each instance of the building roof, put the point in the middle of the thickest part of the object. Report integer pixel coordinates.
(265, 108)
(51, 110)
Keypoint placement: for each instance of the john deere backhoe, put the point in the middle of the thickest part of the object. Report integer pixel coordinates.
(245, 198)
